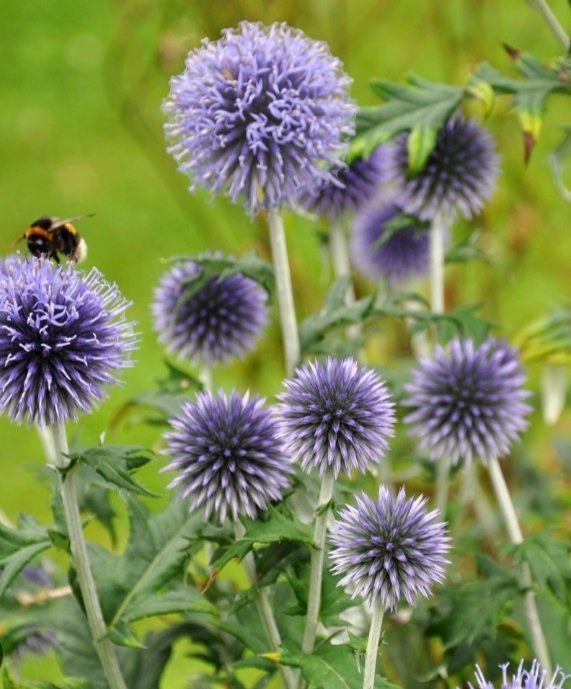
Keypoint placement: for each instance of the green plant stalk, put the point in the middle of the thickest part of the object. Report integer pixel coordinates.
(442, 484)
(373, 646)
(316, 566)
(551, 20)
(265, 610)
(54, 441)
(437, 233)
(339, 249)
(290, 336)
(205, 377)
(516, 537)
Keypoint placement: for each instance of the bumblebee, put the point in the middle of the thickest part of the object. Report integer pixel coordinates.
(49, 236)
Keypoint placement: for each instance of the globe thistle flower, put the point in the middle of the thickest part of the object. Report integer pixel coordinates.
(228, 456)
(534, 678)
(353, 187)
(259, 114)
(219, 321)
(389, 549)
(401, 256)
(468, 403)
(459, 175)
(63, 337)
(335, 417)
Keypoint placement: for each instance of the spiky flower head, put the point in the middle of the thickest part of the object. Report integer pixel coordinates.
(386, 243)
(214, 323)
(227, 455)
(259, 114)
(468, 403)
(63, 338)
(335, 416)
(534, 678)
(354, 186)
(458, 177)
(389, 549)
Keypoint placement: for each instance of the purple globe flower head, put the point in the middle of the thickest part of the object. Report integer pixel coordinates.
(353, 187)
(335, 417)
(260, 114)
(534, 678)
(227, 455)
(468, 403)
(389, 549)
(459, 176)
(401, 254)
(219, 321)
(63, 338)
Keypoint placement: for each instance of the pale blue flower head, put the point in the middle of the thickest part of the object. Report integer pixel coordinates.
(260, 115)
(63, 339)
(389, 549)
(468, 402)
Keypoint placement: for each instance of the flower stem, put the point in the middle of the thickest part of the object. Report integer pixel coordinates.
(437, 231)
(558, 31)
(339, 249)
(54, 441)
(516, 537)
(373, 646)
(265, 609)
(288, 319)
(437, 265)
(442, 484)
(205, 377)
(316, 567)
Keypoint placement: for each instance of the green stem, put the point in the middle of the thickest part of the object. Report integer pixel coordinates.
(205, 377)
(442, 484)
(265, 609)
(558, 31)
(54, 441)
(516, 537)
(373, 646)
(316, 567)
(437, 231)
(288, 319)
(339, 249)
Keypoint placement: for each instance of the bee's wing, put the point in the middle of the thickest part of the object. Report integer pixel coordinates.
(60, 223)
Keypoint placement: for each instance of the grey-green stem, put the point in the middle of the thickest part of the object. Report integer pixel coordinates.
(516, 537)
(264, 608)
(316, 567)
(437, 236)
(290, 336)
(54, 441)
(551, 20)
(339, 248)
(442, 484)
(373, 646)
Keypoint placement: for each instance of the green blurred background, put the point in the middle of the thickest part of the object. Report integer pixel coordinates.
(81, 132)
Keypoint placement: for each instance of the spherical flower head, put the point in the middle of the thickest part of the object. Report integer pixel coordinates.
(458, 177)
(63, 338)
(389, 549)
(335, 417)
(353, 187)
(398, 256)
(534, 678)
(227, 455)
(260, 114)
(220, 320)
(468, 403)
